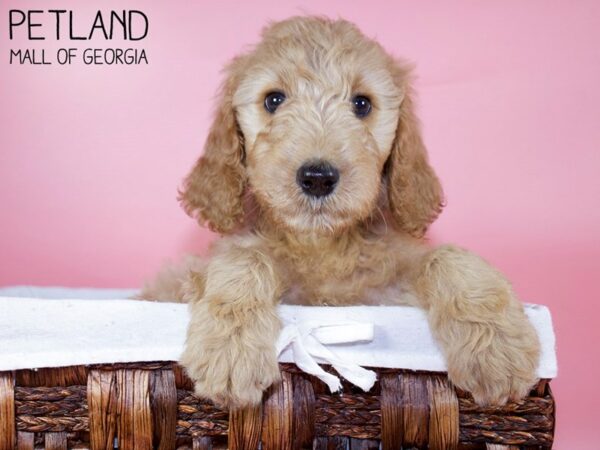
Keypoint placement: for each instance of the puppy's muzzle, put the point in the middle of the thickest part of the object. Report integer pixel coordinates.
(317, 179)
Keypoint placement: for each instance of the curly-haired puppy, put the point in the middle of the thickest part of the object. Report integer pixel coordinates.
(316, 174)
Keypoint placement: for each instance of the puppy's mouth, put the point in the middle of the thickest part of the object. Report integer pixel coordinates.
(318, 214)
(319, 206)
(325, 208)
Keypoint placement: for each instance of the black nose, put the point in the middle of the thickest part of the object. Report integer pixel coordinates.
(317, 179)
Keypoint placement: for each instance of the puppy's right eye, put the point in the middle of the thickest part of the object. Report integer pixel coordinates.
(273, 100)
(362, 106)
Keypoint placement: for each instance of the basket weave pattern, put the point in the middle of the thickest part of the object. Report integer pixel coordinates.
(151, 405)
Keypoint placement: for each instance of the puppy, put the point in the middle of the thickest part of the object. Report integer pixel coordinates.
(316, 174)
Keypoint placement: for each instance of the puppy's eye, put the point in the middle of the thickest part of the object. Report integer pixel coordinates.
(361, 105)
(273, 100)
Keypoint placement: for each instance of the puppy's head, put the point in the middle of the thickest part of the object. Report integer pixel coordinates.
(317, 122)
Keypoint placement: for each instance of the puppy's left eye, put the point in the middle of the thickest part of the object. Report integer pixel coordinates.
(273, 100)
(361, 106)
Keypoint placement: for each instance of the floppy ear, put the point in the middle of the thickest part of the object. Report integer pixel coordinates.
(213, 190)
(414, 192)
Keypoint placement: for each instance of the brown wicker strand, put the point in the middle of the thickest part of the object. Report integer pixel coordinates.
(245, 427)
(303, 416)
(102, 403)
(414, 410)
(506, 437)
(182, 381)
(55, 441)
(41, 424)
(443, 414)
(277, 415)
(390, 412)
(53, 376)
(190, 407)
(354, 431)
(7, 411)
(134, 426)
(152, 365)
(25, 441)
(529, 405)
(72, 407)
(355, 401)
(199, 427)
(75, 440)
(350, 416)
(163, 403)
(50, 394)
(504, 423)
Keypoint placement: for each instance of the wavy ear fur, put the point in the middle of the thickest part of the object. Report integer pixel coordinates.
(213, 190)
(414, 192)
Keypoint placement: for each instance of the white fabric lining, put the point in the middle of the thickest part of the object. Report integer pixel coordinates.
(40, 332)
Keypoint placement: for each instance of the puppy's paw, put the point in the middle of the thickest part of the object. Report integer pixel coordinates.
(491, 348)
(231, 376)
(495, 374)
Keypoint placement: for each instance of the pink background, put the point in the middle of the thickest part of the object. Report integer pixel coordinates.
(91, 156)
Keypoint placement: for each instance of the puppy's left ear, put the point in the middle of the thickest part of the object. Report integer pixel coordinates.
(414, 192)
(213, 190)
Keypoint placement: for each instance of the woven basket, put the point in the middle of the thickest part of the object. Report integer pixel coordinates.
(151, 405)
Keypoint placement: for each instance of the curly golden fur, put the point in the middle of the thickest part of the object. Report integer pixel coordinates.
(359, 245)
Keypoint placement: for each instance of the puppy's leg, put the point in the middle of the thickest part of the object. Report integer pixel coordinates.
(492, 349)
(167, 285)
(230, 347)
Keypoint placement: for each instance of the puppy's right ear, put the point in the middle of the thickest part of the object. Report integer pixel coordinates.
(212, 192)
(414, 192)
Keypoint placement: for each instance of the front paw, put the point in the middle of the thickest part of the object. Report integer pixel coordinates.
(498, 372)
(231, 375)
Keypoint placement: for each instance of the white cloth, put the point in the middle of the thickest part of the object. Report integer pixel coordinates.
(307, 339)
(37, 332)
(59, 292)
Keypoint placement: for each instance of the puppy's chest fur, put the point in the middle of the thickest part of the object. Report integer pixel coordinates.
(349, 270)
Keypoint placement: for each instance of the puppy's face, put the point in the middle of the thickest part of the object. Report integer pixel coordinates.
(317, 123)
(318, 110)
